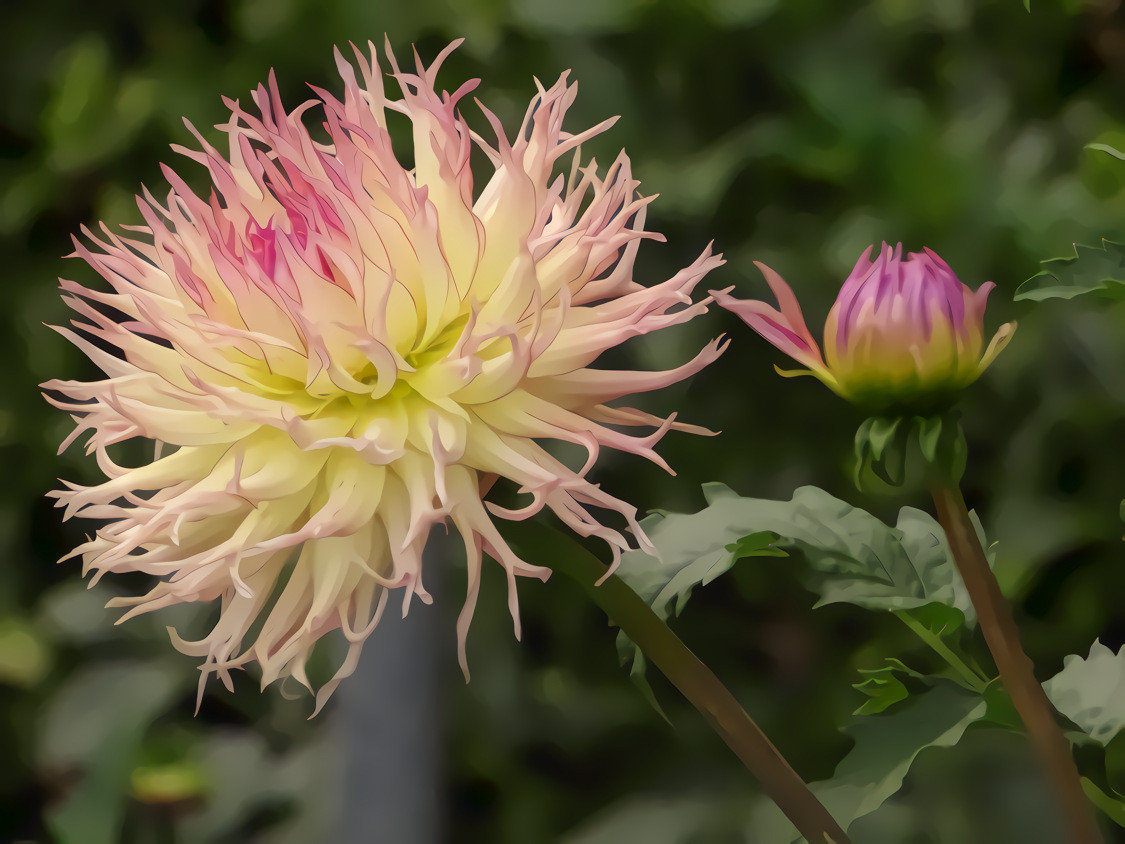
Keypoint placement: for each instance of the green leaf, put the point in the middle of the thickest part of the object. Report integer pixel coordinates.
(760, 544)
(930, 624)
(885, 688)
(1092, 270)
(658, 592)
(629, 654)
(1001, 711)
(691, 553)
(1114, 755)
(886, 746)
(1113, 806)
(939, 619)
(1116, 153)
(853, 557)
(1091, 692)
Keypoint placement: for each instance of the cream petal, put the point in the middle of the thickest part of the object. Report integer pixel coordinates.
(335, 346)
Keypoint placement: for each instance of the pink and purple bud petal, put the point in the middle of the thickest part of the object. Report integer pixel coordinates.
(904, 334)
(784, 328)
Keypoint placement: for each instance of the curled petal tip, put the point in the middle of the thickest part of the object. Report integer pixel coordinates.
(337, 346)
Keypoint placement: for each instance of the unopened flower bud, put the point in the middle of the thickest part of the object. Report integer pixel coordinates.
(903, 335)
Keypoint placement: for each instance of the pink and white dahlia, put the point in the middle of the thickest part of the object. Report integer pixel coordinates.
(333, 348)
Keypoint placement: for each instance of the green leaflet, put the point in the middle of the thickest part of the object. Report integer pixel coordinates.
(1091, 692)
(885, 747)
(1114, 807)
(1114, 151)
(1092, 270)
(884, 687)
(853, 557)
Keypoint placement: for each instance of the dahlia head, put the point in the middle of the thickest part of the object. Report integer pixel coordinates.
(904, 334)
(333, 349)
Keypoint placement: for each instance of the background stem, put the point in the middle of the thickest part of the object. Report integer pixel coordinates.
(1014, 666)
(694, 679)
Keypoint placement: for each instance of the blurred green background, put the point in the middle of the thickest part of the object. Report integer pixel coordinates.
(795, 132)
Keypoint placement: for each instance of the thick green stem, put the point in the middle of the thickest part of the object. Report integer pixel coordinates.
(1016, 670)
(695, 680)
(973, 680)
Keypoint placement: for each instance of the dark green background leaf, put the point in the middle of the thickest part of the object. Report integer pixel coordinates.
(885, 747)
(1092, 270)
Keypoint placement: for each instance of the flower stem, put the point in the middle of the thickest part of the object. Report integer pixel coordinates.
(1015, 668)
(973, 681)
(695, 680)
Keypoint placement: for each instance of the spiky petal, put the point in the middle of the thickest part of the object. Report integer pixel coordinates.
(337, 347)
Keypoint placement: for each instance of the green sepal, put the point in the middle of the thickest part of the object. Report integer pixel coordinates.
(1093, 269)
(904, 451)
(880, 448)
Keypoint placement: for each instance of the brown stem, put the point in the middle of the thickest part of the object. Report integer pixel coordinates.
(1016, 670)
(688, 674)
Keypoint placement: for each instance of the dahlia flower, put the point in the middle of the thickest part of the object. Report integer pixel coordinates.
(902, 334)
(334, 349)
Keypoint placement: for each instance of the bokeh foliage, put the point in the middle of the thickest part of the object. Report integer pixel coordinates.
(794, 133)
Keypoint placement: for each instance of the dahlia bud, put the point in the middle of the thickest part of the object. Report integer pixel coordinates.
(904, 335)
